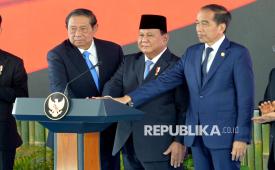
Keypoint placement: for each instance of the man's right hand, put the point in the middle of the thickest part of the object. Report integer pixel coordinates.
(124, 100)
(267, 107)
(104, 97)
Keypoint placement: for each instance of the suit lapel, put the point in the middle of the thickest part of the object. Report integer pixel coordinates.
(198, 61)
(79, 62)
(76, 58)
(4, 64)
(159, 67)
(219, 58)
(3, 59)
(103, 61)
(139, 67)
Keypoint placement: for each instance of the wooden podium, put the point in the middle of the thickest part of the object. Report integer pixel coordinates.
(77, 134)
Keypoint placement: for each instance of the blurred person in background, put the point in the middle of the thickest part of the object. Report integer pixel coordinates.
(13, 83)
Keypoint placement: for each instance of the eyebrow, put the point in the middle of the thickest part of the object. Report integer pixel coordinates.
(204, 21)
(78, 25)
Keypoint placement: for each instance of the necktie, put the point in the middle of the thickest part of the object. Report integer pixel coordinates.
(148, 63)
(204, 64)
(86, 55)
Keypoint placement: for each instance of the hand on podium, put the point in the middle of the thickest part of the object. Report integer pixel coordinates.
(124, 100)
(102, 97)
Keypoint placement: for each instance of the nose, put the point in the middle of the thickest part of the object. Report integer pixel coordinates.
(77, 33)
(144, 39)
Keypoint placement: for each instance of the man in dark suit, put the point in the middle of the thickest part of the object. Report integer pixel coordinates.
(76, 55)
(13, 83)
(268, 115)
(221, 87)
(140, 151)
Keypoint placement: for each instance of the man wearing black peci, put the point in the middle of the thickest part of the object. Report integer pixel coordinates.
(141, 151)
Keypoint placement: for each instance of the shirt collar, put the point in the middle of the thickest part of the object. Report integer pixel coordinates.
(155, 59)
(217, 44)
(91, 49)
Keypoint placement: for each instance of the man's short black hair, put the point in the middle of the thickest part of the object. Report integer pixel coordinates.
(82, 12)
(222, 15)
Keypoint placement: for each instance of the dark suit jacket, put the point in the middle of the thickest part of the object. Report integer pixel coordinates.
(66, 62)
(13, 83)
(167, 109)
(226, 99)
(270, 95)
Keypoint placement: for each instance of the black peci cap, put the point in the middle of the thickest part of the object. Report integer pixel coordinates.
(153, 21)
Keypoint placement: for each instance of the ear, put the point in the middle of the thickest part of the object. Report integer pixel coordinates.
(166, 37)
(222, 27)
(95, 27)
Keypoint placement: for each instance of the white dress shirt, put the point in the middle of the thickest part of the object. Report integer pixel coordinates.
(213, 53)
(93, 55)
(155, 59)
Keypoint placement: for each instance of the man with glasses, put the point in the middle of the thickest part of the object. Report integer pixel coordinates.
(77, 54)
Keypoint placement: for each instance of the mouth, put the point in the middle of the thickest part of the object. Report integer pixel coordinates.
(199, 36)
(145, 46)
(77, 40)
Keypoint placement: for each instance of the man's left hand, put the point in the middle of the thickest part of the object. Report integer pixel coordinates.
(238, 150)
(177, 151)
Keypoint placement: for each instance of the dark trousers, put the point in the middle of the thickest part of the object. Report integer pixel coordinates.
(210, 159)
(271, 161)
(108, 161)
(131, 161)
(7, 159)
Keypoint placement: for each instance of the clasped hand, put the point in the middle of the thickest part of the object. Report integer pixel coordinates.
(268, 112)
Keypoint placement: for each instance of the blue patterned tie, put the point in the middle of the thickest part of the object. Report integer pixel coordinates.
(86, 55)
(204, 64)
(148, 63)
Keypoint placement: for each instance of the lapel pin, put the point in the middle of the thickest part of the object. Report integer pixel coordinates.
(222, 54)
(157, 71)
(1, 69)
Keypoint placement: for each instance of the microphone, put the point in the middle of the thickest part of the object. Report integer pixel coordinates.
(80, 75)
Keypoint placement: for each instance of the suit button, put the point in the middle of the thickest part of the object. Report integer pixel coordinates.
(201, 97)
